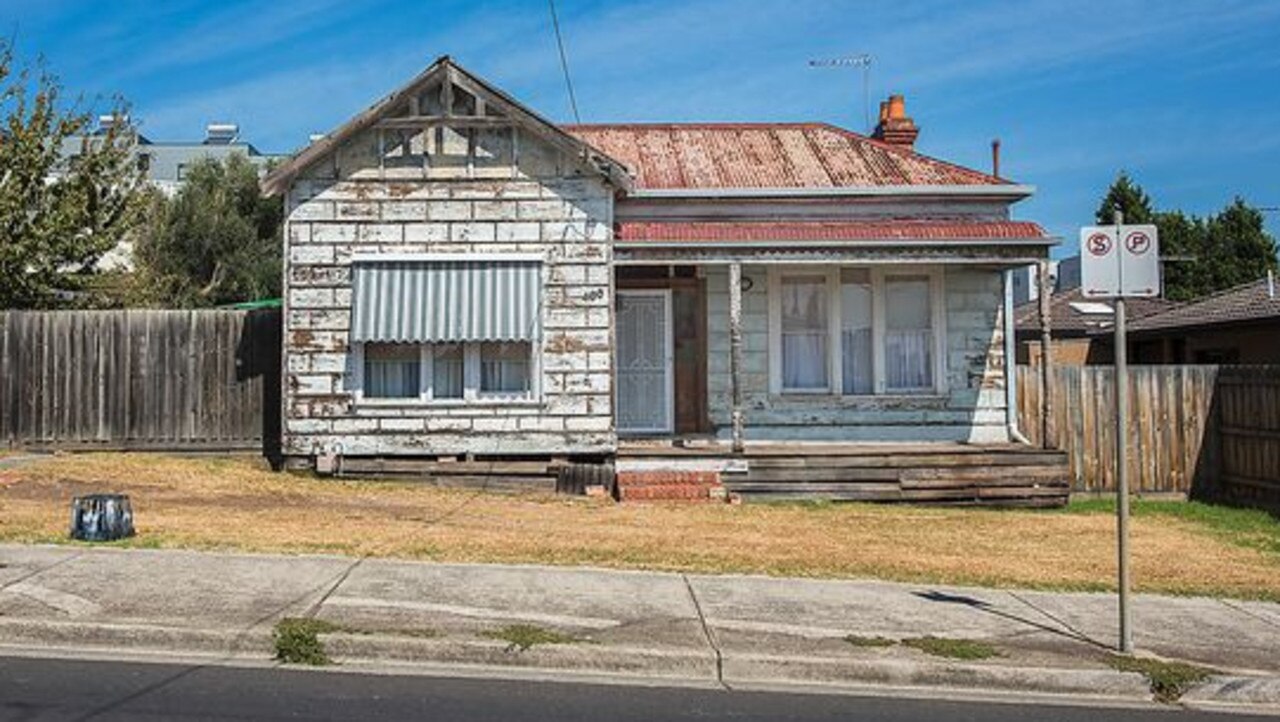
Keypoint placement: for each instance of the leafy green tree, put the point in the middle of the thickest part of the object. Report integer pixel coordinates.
(216, 242)
(1237, 248)
(1206, 254)
(1182, 239)
(58, 215)
(1129, 197)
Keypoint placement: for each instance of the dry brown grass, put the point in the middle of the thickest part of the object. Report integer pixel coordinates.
(237, 504)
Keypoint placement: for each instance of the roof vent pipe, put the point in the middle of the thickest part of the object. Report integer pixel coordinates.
(995, 157)
(1271, 284)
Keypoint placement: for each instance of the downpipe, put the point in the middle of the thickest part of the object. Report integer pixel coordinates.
(1011, 364)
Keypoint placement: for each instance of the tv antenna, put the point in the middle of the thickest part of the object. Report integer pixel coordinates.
(863, 61)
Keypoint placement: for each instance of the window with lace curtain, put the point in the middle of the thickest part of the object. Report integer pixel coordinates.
(855, 331)
(446, 371)
(804, 333)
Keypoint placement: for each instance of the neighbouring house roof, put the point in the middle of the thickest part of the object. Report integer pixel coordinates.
(445, 68)
(767, 156)
(1071, 314)
(1254, 301)
(819, 231)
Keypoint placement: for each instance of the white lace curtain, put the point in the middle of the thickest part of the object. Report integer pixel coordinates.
(907, 338)
(392, 370)
(504, 367)
(804, 332)
(908, 342)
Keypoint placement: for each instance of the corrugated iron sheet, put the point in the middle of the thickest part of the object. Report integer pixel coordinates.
(906, 230)
(449, 301)
(766, 155)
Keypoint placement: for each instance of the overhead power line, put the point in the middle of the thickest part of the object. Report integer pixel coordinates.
(564, 61)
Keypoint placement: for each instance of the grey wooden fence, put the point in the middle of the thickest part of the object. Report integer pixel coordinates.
(187, 380)
(1209, 431)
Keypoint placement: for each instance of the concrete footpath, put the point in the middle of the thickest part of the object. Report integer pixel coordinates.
(731, 631)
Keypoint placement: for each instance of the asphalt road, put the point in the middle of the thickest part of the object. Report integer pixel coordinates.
(34, 690)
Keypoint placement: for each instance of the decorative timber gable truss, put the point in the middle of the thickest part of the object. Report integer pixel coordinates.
(447, 96)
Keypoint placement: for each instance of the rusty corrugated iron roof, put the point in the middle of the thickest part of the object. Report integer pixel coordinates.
(766, 155)
(861, 230)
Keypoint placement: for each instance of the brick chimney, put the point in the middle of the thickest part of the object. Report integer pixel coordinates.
(896, 127)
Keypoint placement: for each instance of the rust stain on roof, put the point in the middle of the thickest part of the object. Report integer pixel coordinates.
(766, 155)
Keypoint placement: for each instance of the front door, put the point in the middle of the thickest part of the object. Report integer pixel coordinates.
(644, 362)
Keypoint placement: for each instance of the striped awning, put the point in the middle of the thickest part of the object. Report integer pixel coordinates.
(445, 301)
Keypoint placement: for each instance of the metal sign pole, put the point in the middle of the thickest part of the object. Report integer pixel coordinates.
(1122, 438)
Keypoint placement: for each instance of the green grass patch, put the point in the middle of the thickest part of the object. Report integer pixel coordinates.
(1168, 680)
(297, 641)
(521, 637)
(1249, 528)
(952, 648)
(861, 641)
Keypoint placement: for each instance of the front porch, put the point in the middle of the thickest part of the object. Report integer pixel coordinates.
(837, 348)
(934, 473)
(817, 372)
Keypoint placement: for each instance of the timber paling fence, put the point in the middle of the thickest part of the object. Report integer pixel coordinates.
(1211, 432)
(164, 380)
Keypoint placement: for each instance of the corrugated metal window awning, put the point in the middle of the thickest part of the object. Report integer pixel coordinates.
(445, 301)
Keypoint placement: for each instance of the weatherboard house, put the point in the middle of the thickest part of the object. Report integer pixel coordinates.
(473, 287)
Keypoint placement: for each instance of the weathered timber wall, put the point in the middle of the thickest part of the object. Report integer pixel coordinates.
(1208, 431)
(1171, 424)
(140, 379)
(972, 409)
(455, 192)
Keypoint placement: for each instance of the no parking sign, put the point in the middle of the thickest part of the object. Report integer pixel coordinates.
(1119, 261)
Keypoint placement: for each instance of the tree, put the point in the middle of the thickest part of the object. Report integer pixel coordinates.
(216, 242)
(58, 215)
(1205, 254)
(1237, 249)
(1182, 239)
(1129, 198)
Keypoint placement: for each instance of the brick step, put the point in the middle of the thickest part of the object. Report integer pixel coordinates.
(685, 486)
(667, 478)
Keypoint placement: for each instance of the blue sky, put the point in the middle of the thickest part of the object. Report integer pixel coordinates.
(1182, 93)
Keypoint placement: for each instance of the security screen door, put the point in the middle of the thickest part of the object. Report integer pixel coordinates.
(644, 363)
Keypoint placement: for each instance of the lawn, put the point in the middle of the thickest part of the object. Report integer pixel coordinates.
(235, 503)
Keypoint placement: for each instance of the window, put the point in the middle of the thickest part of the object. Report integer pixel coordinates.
(392, 371)
(447, 365)
(855, 331)
(804, 333)
(474, 322)
(908, 333)
(504, 368)
(445, 371)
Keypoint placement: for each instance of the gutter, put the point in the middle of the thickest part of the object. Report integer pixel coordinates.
(1011, 364)
(1014, 191)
